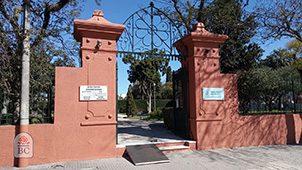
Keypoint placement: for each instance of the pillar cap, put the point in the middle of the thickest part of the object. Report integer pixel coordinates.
(200, 34)
(98, 25)
(200, 31)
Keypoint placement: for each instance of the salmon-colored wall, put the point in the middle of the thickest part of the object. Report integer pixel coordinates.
(215, 123)
(87, 130)
(82, 129)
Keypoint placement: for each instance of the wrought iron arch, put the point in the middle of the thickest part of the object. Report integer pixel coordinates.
(150, 32)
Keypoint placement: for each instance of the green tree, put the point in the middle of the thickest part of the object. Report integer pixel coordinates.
(280, 18)
(294, 48)
(169, 75)
(264, 85)
(167, 91)
(277, 59)
(131, 109)
(50, 22)
(137, 91)
(222, 17)
(227, 17)
(289, 56)
(147, 72)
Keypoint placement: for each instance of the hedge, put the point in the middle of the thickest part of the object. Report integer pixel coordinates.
(168, 115)
(142, 105)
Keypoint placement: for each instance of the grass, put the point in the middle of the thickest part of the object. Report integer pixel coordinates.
(147, 118)
(137, 117)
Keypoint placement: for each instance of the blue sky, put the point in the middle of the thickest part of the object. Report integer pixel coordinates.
(117, 11)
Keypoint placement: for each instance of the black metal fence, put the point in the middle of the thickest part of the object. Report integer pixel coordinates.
(41, 106)
(181, 126)
(284, 97)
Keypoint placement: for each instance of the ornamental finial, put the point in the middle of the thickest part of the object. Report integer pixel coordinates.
(199, 27)
(98, 13)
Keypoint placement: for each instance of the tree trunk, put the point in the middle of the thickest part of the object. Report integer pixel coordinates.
(149, 103)
(16, 115)
(5, 105)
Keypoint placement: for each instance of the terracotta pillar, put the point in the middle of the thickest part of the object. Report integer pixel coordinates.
(98, 52)
(202, 64)
(85, 99)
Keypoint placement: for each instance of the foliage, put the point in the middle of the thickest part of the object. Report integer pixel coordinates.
(227, 17)
(222, 17)
(169, 75)
(131, 109)
(280, 18)
(142, 105)
(146, 73)
(294, 49)
(157, 114)
(161, 103)
(277, 59)
(50, 22)
(167, 91)
(121, 106)
(264, 85)
(289, 56)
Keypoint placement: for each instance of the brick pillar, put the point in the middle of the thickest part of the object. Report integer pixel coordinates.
(203, 72)
(98, 52)
(86, 129)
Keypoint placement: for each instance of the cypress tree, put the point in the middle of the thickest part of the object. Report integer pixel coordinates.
(131, 108)
(169, 75)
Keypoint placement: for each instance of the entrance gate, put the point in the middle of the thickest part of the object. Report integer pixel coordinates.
(150, 32)
(180, 103)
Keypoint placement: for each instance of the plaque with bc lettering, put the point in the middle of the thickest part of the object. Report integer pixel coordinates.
(23, 145)
(213, 93)
(92, 93)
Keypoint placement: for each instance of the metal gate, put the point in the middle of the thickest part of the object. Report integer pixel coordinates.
(150, 32)
(180, 103)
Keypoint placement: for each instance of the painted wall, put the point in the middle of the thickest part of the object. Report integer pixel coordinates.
(87, 130)
(216, 123)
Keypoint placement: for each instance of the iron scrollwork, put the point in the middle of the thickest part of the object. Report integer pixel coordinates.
(150, 32)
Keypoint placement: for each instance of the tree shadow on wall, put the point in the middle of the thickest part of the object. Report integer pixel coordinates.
(291, 129)
(301, 130)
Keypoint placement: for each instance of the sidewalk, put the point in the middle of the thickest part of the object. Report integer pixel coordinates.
(283, 157)
(135, 130)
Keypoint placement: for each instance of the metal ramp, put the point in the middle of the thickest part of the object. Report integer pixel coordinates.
(146, 154)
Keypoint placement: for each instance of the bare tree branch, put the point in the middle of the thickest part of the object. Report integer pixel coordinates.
(12, 20)
(48, 10)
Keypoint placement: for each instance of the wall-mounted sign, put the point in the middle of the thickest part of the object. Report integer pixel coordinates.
(89, 93)
(23, 146)
(213, 93)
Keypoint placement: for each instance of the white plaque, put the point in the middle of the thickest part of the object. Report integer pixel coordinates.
(213, 93)
(23, 145)
(89, 93)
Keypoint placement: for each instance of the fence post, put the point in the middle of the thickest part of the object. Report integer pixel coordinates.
(116, 103)
(293, 90)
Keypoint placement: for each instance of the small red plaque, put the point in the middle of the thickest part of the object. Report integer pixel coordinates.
(23, 146)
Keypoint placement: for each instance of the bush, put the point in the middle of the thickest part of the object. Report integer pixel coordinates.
(157, 114)
(141, 105)
(168, 115)
(160, 103)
